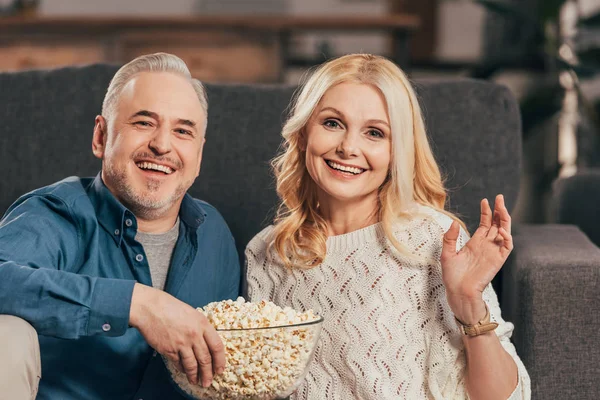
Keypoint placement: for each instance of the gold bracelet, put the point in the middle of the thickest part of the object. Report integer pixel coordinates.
(481, 327)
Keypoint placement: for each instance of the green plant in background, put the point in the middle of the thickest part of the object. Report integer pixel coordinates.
(18, 7)
(546, 52)
(559, 64)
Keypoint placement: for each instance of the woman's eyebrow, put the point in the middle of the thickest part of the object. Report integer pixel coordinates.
(334, 110)
(341, 114)
(378, 121)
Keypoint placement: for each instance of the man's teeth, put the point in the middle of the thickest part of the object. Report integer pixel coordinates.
(156, 167)
(352, 170)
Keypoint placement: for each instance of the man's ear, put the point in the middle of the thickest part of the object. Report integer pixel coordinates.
(200, 151)
(100, 136)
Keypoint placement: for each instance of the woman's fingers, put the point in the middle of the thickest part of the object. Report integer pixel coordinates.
(492, 232)
(485, 221)
(508, 241)
(503, 215)
(449, 243)
(486, 214)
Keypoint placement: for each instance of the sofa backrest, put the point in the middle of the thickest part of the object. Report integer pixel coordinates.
(47, 118)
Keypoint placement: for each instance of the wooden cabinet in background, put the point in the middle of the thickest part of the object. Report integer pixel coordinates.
(211, 56)
(44, 53)
(216, 48)
(423, 42)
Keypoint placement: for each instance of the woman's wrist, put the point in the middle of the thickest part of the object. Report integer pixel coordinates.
(470, 312)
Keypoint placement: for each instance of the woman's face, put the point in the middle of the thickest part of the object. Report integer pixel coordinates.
(348, 143)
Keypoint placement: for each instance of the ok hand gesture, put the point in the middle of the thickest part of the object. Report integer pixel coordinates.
(467, 273)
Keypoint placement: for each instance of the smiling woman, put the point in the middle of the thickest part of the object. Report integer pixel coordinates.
(362, 238)
(373, 121)
(347, 144)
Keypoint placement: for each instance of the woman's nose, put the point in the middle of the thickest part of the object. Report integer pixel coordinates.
(348, 146)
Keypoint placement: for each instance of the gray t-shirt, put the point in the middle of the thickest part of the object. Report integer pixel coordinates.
(159, 249)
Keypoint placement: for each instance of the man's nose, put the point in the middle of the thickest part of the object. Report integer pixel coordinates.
(160, 143)
(348, 146)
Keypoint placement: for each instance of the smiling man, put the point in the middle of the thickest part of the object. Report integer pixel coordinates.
(100, 276)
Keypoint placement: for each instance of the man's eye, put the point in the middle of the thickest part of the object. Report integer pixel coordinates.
(142, 123)
(183, 132)
(330, 123)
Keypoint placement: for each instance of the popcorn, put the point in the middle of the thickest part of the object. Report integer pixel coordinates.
(260, 363)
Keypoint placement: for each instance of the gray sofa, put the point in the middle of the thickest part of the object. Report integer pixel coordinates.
(576, 199)
(549, 288)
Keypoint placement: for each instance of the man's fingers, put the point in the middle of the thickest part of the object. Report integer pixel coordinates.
(486, 214)
(177, 364)
(189, 364)
(217, 350)
(204, 360)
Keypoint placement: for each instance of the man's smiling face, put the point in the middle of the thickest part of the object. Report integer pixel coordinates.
(151, 145)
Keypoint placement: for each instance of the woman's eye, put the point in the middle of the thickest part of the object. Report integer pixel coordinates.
(330, 123)
(375, 133)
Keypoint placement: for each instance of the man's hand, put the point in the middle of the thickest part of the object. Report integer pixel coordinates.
(178, 332)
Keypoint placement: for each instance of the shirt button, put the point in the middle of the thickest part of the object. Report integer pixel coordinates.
(128, 222)
(117, 232)
(106, 327)
(139, 258)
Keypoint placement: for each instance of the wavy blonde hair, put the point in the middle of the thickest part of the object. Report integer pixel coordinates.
(300, 232)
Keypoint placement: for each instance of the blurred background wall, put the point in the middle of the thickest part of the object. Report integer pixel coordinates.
(545, 51)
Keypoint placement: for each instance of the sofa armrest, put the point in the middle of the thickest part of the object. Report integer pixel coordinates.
(551, 292)
(575, 200)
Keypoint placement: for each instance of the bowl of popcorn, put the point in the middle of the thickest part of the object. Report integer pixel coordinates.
(267, 350)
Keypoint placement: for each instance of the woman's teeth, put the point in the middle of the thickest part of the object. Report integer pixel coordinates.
(352, 170)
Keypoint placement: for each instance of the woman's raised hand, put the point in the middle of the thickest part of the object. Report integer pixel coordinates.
(467, 273)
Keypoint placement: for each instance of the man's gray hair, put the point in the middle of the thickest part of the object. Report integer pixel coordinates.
(158, 62)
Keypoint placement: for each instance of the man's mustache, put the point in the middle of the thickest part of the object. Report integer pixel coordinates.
(152, 157)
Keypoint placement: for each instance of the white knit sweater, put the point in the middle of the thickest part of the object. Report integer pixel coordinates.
(388, 332)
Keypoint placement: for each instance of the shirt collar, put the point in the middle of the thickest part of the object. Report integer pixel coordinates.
(111, 214)
(191, 212)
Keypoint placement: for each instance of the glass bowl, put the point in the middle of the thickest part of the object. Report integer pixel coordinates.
(261, 363)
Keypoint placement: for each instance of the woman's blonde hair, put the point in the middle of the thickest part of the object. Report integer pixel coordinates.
(300, 232)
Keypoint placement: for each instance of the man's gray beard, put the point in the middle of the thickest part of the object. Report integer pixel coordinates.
(142, 206)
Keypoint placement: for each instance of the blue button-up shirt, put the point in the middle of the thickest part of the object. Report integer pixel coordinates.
(68, 264)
